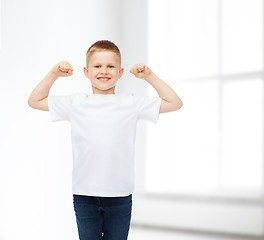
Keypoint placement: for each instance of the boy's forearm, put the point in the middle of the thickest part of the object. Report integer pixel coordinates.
(41, 91)
(163, 89)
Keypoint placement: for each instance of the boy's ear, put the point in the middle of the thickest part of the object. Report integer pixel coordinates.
(85, 71)
(121, 72)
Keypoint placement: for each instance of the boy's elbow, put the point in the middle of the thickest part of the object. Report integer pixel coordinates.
(179, 105)
(29, 102)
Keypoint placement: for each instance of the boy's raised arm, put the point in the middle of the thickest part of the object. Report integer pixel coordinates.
(38, 97)
(170, 100)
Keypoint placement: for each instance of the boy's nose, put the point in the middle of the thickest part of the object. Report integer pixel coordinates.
(104, 70)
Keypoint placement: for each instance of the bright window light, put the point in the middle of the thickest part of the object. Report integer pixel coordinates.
(211, 53)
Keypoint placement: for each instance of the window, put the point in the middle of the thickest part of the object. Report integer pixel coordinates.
(211, 53)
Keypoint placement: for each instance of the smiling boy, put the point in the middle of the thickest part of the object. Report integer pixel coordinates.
(103, 130)
(103, 69)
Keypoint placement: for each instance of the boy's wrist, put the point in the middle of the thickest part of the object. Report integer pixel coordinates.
(149, 76)
(53, 75)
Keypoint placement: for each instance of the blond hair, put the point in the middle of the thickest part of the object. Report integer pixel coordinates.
(102, 45)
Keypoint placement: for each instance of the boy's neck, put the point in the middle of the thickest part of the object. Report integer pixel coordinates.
(103, 92)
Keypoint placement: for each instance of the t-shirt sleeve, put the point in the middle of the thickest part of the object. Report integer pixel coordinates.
(147, 107)
(60, 107)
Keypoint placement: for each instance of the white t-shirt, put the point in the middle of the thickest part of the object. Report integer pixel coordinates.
(103, 130)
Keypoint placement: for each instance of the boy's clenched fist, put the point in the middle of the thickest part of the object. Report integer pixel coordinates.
(140, 70)
(63, 69)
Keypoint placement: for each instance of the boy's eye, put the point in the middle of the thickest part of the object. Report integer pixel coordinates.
(110, 66)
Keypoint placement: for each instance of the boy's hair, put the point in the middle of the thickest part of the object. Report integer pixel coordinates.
(103, 45)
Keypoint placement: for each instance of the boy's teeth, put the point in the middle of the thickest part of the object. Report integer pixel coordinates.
(104, 79)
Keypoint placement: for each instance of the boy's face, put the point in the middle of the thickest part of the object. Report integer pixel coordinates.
(103, 71)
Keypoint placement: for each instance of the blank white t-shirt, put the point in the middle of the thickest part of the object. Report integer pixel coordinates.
(103, 130)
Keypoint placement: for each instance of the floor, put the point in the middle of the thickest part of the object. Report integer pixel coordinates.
(141, 233)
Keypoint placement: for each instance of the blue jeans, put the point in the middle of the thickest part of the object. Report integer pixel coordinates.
(106, 218)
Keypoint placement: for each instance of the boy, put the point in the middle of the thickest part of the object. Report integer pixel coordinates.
(103, 127)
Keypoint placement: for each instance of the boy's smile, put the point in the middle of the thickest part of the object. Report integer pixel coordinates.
(104, 71)
(103, 79)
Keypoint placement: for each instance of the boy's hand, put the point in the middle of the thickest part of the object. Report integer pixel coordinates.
(140, 70)
(63, 69)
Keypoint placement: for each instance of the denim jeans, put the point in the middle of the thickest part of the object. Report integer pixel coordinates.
(106, 218)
